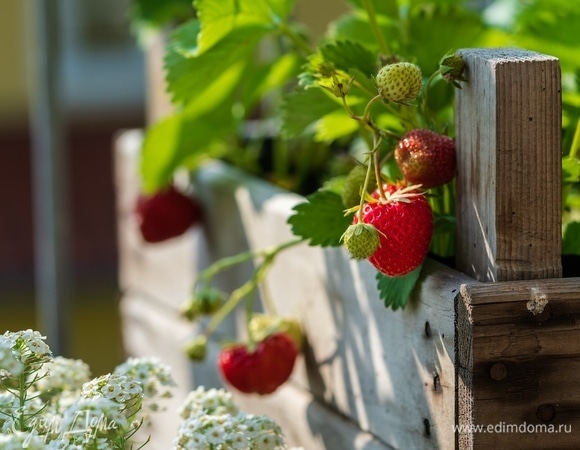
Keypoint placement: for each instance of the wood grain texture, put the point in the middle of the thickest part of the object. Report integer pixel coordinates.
(369, 377)
(517, 364)
(508, 126)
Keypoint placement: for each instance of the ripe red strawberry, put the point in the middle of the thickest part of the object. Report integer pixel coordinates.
(261, 371)
(165, 214)
(426, 158)
(405, 225)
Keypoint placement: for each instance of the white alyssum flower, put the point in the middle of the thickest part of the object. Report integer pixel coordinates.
(118, 388)
(52, 404)
(153, 376)
(212, 420)
(63, 374)
(210, 401)
(19, 440)
(93, 420)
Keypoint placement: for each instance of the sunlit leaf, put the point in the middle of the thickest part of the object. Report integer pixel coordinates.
(320, 219)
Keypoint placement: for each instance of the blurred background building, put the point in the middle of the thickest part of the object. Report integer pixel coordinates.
(102, 85)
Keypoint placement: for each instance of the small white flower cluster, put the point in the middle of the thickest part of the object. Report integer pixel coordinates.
(213, 422)
(55, 402)
(154, 376)
(19, 349)
(19, 440)
(63, 374)
(51, 403)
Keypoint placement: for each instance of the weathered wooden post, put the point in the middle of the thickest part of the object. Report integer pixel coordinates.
(517, 342)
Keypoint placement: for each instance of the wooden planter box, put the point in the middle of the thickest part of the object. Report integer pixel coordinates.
(492, 344)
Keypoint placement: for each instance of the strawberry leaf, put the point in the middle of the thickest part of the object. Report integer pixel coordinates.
(321, 219)
(189, 74)
(155, 14)
(571, 239)
(395, 291)
(350, 55)
(221, 17)
(303, 108)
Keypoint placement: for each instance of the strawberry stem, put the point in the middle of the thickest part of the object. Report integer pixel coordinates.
(368, 6)
(364, 190)
(366, 117)
(244, 291)
(377, 165)
(424, 109)
(575, 147)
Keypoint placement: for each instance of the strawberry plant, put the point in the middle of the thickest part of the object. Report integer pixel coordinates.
(359, 121)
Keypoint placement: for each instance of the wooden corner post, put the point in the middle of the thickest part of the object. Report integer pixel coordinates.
(517, 336)
(508, 127)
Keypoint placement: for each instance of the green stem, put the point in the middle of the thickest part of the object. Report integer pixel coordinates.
(575, 149)
(424, 108)
(369, 162)
(249, 286)
(299, 42)
(249, 315)
(372, 16)
(378, 176)
(367, 111)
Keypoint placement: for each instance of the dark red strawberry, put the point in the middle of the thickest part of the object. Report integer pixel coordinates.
(405, 225)
(166, 214)
(426, 158)
(261, 371)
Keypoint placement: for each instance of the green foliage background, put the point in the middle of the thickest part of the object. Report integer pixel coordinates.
(229, 61)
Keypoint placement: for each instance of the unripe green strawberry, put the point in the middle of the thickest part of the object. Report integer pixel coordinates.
(204, 302)
(405, 225)
(452, 68)
(353, 185)
(399, 82)
(361, 240)
(196, 348)
(426, 158)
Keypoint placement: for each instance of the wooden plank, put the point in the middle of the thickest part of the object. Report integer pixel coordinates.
(517, 356)
(508, 126)
(391, 373)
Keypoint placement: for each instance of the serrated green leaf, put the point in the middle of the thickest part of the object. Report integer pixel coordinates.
(384, 7)
(269, 76)
(348, 56)
(320, 219)
(356, 27)
(456, 27)
(302, 108)
(170, 143)
(395, 291)
(335, 125)
(220, 17)
(176, 139)
(188, 75)
(155, 14)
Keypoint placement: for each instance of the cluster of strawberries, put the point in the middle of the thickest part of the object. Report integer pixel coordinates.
(392, 228)
(267, 361)
(394, 224)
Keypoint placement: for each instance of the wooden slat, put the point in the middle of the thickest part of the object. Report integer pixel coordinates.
(517, 363)
(508, 126)
(391, 373)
